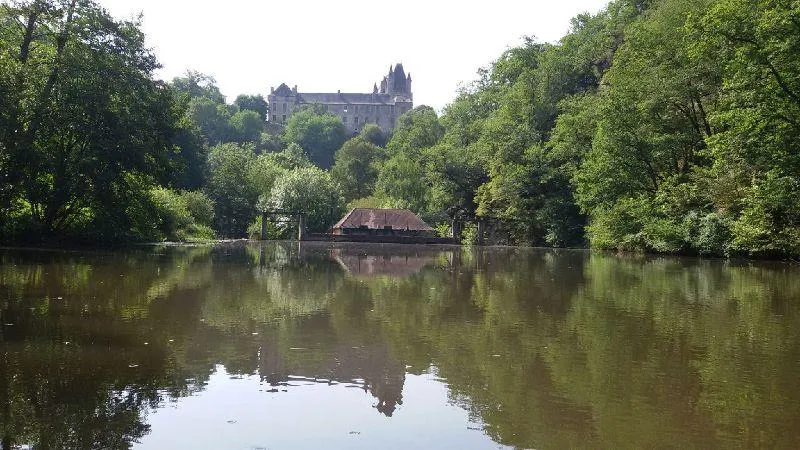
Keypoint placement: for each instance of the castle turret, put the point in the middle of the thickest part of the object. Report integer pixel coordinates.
(396, 82)
(399, 80)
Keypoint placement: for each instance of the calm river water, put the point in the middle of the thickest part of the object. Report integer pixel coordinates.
(277, 346)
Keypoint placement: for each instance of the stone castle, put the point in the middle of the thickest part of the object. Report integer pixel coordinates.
(382, 107)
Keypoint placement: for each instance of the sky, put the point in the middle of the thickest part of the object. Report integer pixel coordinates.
(325, 46)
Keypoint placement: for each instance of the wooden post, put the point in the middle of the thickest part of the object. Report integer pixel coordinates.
(481, 231)
(301, 227)
(263, 226)
(456, 229)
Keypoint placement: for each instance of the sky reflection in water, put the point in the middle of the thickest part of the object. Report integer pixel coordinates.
(283, 345)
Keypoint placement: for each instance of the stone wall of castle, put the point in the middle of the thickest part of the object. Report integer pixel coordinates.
(382, 107)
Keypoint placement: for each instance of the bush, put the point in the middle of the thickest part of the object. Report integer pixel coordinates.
(469, 234)
(200, 207)
(172, 214)
(309, 190)
(708, 234)
(769, 226)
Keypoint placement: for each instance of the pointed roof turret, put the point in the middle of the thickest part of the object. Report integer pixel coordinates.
(284, 91)
(399, 79)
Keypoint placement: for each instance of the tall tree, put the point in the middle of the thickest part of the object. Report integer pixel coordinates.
(194, 84)
(253, 103)
(212, 119)
(415, 130)
(355, 168)
(311, 191)
(320, 135)
(231, 189)
(83, 117)
(246, 126)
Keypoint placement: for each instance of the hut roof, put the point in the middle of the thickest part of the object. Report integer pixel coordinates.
(375, 218)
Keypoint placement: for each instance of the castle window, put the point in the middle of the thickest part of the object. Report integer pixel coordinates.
(274, 117)
(284, 107)
(284, 117)
(344, 119)
(355, 120)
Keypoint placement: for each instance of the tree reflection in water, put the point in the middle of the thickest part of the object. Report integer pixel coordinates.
(546, 348)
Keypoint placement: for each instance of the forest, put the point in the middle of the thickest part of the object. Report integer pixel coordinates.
(668, 126)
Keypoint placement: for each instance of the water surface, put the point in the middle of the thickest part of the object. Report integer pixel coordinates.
(284, 345)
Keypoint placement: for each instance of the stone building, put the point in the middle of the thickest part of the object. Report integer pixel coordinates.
(383, 106)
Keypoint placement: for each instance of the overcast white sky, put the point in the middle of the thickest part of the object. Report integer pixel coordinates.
(347, 45)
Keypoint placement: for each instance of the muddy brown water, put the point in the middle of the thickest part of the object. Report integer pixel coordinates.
(281, 345)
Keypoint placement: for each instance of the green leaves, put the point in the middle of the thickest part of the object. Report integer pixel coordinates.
(356, 167)
(320, 135)
(230, 188)
(311, 191)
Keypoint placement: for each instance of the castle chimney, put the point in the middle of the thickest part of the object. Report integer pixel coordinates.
(272, 89)
(294, 89)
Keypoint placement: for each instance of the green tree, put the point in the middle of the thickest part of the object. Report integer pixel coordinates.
(200, 206)
(310, 191)
(648, 152)
(246, 126)
(194, 85)
(188, 161)
(415, 130)
(292, 157)
(253, 103)
(320, 135)
(373, 134)
(355, 168)
(756, 147)
(230, 189)
(212, 119)
(85, 126)
(401, 184)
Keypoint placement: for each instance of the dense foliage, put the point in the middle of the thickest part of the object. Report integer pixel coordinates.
(660, 125)
(667, 126)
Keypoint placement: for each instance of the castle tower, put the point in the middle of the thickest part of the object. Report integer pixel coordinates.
(396, 83)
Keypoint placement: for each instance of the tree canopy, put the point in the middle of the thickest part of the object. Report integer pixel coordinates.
(320, 135)
(659, 125)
